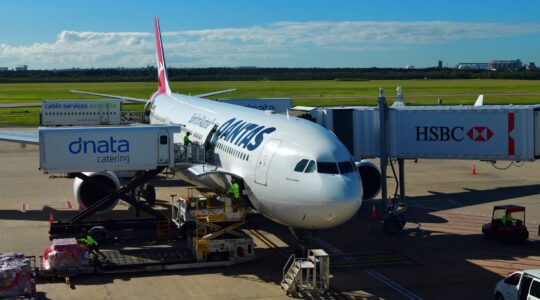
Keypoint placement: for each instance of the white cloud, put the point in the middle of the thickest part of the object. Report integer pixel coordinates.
(257, 45)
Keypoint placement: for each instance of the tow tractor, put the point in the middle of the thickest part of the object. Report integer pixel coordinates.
(513, 230)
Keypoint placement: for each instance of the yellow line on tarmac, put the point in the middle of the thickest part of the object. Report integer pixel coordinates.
(268, 242)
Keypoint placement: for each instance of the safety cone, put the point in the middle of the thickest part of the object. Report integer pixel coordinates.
(51, 220)
(474, 169)
(373, 212)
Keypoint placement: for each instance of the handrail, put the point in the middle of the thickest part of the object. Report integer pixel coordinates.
(293, 257)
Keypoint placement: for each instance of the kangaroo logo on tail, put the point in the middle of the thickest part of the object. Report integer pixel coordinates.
(163, 82)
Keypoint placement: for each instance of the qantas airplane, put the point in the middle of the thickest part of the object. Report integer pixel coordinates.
(293, 171)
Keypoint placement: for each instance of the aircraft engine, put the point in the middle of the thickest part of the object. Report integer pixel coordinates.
(370, 176)
(87, 194)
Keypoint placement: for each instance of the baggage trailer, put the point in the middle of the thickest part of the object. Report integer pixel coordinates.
(143, 260)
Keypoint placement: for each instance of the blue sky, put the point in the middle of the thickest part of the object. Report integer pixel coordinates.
(65, 34)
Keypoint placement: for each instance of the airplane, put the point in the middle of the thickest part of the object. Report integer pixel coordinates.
(293, 171)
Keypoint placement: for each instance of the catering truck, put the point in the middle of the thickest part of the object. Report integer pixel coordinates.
(80, 112)
(98, 149)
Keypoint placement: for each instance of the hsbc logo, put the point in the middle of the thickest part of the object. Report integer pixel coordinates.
(445, 134)
(480, 134)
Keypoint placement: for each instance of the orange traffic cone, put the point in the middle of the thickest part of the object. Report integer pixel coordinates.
(51, 220)
(373, 212)
(474, 169)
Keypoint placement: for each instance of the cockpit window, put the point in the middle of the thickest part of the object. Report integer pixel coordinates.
(310, 167)
(301, 165)
(327, 167)
(345, 167)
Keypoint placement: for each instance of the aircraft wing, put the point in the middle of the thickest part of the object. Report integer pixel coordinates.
(215, 93)
(138, 100)
(19, 137)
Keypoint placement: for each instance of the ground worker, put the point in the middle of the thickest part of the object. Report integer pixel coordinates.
(187, 141)
(234, 190)
(234, 193)
(91, 244)
(507, 219)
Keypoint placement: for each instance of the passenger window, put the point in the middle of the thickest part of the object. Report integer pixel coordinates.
(163, 140)
(513, 280)
(310, 167)
(345, 167)
(327, 167)
(301, 165)
(535, 289)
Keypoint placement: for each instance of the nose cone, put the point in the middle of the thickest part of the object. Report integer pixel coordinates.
(343, 198)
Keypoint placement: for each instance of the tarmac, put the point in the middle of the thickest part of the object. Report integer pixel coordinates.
(441, 254)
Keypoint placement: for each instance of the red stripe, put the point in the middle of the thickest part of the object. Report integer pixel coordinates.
(23, 208)
(511, 146)
(69, 204)
(510, 122)
(511, 142)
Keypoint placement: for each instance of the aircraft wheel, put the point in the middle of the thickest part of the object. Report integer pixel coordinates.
(392, 225)
(150, 194)
(402, 220)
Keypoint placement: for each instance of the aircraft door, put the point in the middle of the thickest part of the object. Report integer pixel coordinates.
(261, 169)
(164, 147)
(104, 115)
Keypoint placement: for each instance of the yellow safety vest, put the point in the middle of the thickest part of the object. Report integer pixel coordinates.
(234, 190)
(186, 139)
(89, 241)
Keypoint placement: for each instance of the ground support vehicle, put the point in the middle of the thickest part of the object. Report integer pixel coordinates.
(514, 230)
(522, 285)
(211, 222)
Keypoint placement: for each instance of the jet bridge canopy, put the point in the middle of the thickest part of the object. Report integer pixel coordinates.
(502, 132)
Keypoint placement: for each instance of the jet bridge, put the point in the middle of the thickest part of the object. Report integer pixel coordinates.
(490, 133)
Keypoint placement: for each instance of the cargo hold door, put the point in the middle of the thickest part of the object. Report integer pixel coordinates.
(261, 169)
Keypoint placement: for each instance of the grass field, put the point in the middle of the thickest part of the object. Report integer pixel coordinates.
(309, 93)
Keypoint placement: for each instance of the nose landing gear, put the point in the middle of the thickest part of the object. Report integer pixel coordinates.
(304, 238)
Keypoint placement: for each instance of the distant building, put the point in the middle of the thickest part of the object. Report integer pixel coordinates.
(409, 67)
(472, 66)
(4, 69)
(21, 68)
(505, 64)
(439, 64)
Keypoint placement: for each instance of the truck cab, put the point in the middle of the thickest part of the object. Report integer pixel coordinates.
(522, 285)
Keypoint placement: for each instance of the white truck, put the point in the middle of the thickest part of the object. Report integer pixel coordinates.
(80, 112)
(519, 285)
(107, 148)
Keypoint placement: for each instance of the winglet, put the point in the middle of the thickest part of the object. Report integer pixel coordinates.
(163, 82)
(479, 101)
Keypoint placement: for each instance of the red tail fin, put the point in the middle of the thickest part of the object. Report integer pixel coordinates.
(163, 82)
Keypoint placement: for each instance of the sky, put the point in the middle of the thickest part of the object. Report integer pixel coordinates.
(46, 34)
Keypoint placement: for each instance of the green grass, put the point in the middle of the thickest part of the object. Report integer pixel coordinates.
(312, 93)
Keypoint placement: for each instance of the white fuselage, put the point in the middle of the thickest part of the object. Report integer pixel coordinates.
(264, 149)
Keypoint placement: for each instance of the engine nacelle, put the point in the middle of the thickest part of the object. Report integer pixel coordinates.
(87, 194)
(370, 176)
